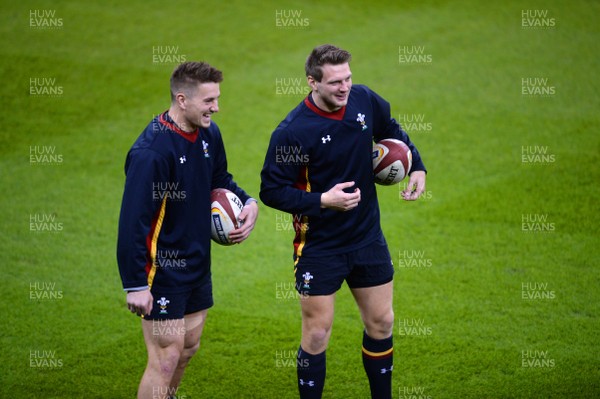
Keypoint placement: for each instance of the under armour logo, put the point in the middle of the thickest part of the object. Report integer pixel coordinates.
(182, 159)
(383, 371)
(326, 139)
(309, 383)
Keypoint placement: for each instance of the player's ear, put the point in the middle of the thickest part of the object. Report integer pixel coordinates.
(311, 82)
(180, 99)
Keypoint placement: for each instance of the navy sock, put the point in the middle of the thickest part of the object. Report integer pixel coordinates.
(311, 374)
(378, 360)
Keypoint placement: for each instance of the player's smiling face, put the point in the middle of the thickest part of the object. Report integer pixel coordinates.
(201, 104)
(331, 93)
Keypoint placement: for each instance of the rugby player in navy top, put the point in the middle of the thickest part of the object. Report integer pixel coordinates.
(163, 248)
(328, 186)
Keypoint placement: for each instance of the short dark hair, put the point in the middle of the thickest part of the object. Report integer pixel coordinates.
(324, 54)
(190, 74)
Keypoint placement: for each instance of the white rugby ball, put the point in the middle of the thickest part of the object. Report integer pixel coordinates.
(225, 210)
(392, 160)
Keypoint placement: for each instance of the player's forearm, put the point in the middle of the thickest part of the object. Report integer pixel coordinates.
(132, 242)
(292, 200)
(132, 267)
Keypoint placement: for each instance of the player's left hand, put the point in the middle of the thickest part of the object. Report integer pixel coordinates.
(416, 186)
(248, 218)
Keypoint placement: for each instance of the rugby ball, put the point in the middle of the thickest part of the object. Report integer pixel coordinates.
(392, 160)
(225, 210)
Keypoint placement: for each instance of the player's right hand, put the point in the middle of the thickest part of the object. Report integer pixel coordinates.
(140, 302)
(337, 199)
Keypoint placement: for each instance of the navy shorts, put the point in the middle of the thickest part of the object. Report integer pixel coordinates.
(168, 305)
(365, 267)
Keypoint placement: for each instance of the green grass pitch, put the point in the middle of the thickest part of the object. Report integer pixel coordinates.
(496, 288)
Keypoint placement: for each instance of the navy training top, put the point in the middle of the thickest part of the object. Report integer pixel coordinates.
(311, 151)
(164, 225)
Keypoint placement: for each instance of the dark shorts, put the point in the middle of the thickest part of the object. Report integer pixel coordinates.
(168, 305)
(366, 267)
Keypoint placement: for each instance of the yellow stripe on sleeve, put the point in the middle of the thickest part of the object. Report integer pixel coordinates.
(154, 242)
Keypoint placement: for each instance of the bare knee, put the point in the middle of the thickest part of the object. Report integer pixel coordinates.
(315, 339)
(188, 352)
(317, 319)
(166, 360)
(380, 326)
(319, 335)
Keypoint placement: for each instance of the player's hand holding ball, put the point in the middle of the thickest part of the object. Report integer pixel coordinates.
(392, 160)
(247, 219)
(231, 220)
